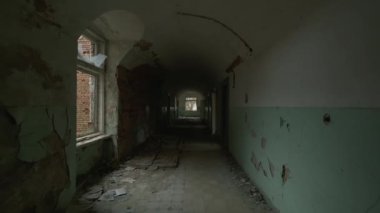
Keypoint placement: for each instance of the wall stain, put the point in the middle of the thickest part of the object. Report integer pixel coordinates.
(235, 63)
(285, 174)
(21, 188)
(253, 133)
(23, 58)
(327, 119)
(42, 14)
(288, 127)
(145, 46)
(263, 143)
(271, 168)
(256, 163)
(265, 173)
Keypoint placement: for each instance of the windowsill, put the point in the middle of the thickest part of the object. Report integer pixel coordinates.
(89, 139)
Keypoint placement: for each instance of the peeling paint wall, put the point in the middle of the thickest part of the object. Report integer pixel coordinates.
(305, 115)
(139, 99)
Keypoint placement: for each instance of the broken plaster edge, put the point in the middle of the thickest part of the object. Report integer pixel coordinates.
(92, 140)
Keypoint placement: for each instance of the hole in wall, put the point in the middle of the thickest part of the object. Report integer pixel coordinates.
(326, 119)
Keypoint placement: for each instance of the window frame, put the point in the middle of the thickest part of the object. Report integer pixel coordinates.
(191, 99)
(99, 74)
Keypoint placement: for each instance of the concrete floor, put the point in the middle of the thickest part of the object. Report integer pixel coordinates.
(203, 182)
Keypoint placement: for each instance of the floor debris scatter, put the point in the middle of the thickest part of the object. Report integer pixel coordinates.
(241, 179)
(183, 176)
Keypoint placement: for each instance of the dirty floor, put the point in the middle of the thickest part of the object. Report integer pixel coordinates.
(203, 180)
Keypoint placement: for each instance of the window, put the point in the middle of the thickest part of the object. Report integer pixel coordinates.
(90, 77)
(191, 104)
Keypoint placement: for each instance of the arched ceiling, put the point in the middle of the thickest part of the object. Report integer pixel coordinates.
(189, 44)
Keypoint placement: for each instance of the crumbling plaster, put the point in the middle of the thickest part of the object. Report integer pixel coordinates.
(38, 98)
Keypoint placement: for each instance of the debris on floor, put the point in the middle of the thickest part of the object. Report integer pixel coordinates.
(108, 196)
(128, 180)
(242, 180)
(94, 193)
(161, 152)
(163, 184)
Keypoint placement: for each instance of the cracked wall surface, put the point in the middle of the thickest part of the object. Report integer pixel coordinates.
(304, 54)
(313, 98)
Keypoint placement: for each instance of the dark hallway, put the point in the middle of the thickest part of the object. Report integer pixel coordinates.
(189, 106)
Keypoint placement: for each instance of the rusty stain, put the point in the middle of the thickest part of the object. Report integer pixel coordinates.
(235, 63)
(263, 143)
(285, 174)
(23, 58)
(144, 46)
(221, 23)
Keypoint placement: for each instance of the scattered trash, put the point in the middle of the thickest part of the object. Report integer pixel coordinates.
(128, 180)
(111, 194)
(152, 168)
(130, 168)
(120, 191)
(93, 193)
(108, 196)
(242, 180)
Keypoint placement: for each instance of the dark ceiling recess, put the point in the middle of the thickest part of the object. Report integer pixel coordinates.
(221, 23)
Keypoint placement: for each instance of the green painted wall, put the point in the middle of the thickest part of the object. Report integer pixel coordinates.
(328, 64)
(94, 155)
(332, 168)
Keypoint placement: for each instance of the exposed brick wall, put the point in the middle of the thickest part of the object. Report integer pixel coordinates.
(138, 89)
(87, 46)
(85, 121)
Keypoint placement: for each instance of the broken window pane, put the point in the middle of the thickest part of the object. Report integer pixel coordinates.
(86, 104)
(191, 104)
(88, 51)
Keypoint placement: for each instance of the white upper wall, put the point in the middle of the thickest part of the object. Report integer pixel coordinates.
(332, 60)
